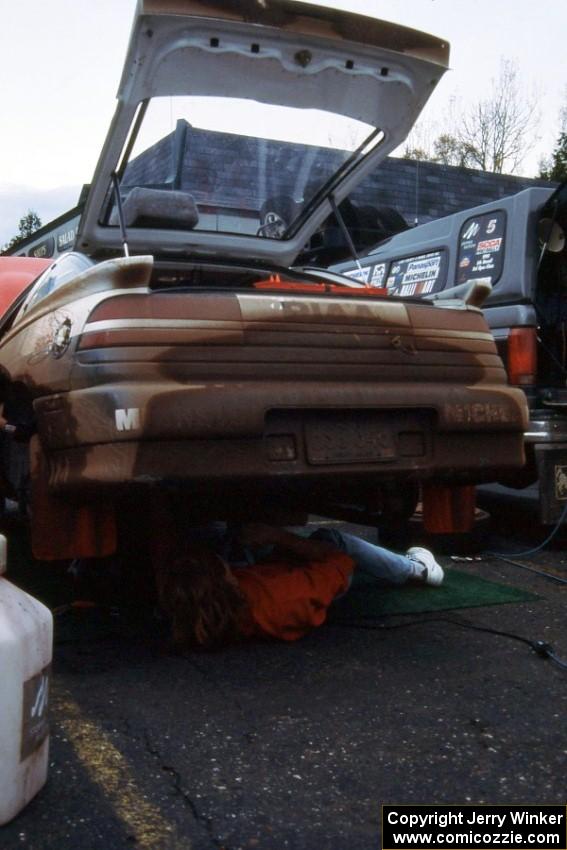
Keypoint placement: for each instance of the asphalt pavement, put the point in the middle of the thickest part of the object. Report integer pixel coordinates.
(275, 746)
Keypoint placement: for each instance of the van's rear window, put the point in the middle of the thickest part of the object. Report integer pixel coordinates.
(481, 247)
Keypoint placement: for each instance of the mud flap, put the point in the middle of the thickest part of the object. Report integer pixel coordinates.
(60, 529)
(448, 508)
(551, 463)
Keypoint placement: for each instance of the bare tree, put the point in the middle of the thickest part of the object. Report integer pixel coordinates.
(418, 143)
(448, 150)
(496, 133)
(420, 154)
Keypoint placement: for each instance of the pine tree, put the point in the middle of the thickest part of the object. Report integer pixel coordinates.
(556, 167)
(28, 224)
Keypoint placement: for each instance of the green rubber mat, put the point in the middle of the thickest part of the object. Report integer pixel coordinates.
(459, 590)
(366, 600)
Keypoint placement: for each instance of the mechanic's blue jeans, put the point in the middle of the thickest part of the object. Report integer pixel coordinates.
(372, 563)
(370, 560)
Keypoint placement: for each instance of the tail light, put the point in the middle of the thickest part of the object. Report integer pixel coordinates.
(274, 282)
(160, 318)
(522, 356)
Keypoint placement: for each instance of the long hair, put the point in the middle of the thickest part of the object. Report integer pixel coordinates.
(204, 608)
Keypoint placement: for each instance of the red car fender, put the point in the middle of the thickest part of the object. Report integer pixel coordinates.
(16, 273)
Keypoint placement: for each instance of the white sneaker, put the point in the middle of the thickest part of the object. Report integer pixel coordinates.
(432, 572)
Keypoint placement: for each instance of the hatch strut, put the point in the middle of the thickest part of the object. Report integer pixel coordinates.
(344, 229)
(116, 186)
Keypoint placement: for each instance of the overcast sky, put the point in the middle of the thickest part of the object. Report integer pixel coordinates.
(60, 63)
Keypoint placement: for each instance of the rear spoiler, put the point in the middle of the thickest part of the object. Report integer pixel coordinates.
(471, 293)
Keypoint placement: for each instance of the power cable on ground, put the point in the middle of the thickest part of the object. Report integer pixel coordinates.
(509, 557)
(540, 647)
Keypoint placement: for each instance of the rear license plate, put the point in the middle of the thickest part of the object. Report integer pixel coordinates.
(350, 438)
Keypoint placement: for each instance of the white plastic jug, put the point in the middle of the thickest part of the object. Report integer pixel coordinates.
(26, 640)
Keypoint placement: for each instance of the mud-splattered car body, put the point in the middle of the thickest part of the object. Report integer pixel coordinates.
(202, 361)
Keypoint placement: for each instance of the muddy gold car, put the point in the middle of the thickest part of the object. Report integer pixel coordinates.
(190, 342)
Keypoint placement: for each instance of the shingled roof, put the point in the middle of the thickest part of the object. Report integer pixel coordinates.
(423, 191)
(420, 191)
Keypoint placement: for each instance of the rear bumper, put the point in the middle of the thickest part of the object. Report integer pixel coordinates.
(547, 441)
(547, 430)
(551, 463)
(546, 445)
(236, 462)
(257, 431)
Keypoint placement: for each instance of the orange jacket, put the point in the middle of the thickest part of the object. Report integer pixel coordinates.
(286, 600)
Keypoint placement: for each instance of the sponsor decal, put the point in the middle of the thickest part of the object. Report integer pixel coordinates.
(416, 275)
(43, 249)
(378, 273)
(485, 264)
(66, 239)
(476, 413)
(422, 268)
(421, 288)
(472, 230)
(35, 719)
(488, 245)
(61, 337)
(482, 257)
(127, 419)
(273, 225)
(359, 274)
(561, 483)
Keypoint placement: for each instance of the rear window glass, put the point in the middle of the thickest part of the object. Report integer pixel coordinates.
(61, 272)
(481, 247)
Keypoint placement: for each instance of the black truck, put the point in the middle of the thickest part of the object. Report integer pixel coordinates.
(517, 248)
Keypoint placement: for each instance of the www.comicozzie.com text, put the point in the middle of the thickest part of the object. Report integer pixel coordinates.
(520, 819)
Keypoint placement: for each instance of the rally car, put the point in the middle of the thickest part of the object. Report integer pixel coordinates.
(184, 344)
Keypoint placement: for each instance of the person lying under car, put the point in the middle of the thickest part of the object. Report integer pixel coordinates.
(282, 588)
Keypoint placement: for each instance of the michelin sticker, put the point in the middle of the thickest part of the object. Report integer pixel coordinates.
(415, 275)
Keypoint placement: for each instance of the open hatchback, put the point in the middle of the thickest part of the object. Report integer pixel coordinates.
(186, 344)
